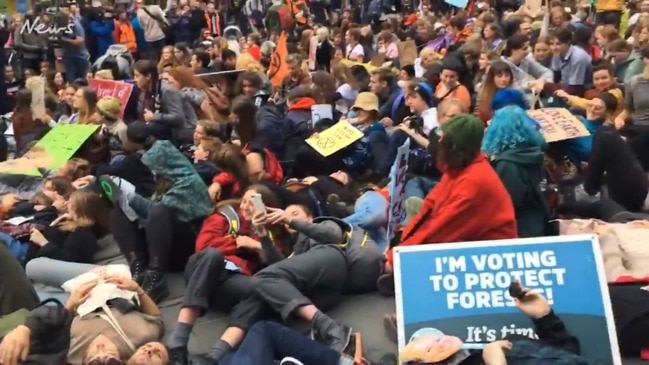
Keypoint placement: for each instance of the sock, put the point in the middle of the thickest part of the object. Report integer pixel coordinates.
(220, 349)
(180, 335)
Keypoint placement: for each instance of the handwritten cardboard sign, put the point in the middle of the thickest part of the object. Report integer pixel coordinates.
(558, 124)
(118, 89)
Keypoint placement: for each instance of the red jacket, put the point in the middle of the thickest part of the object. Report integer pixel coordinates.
(272, 167)
(215, 234)
(467, 205)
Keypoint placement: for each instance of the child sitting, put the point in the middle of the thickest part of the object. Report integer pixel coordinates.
(203, 158)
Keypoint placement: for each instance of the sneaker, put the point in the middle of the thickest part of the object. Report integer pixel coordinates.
(155, 285)
(178, 356)
(290, 361)
(110, 190)
(138, 271)
(385, 285)
(337, 208)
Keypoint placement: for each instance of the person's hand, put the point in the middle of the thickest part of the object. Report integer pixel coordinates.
(9, 200)
(215, 191)
(249, 243)
(79, 295)
(387, 122)
(15, 346)
(37, 238)
(619, 123)
(561, 94)
(276, 216)
(148, 116)
(494, 353)
(533, 304)
(122, 282)
(309, 180)
(45, 118)
(60, 205)
(404, 127)
(536, 85)
(387, 268)
(260, 219)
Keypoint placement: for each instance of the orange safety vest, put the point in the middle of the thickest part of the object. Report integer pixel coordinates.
(297, 6)
(127, 36)
(217, 20)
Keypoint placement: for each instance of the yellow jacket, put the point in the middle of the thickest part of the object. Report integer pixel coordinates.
(582, 103)
(609, 5)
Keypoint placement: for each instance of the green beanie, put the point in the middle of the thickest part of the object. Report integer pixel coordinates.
(465, 131)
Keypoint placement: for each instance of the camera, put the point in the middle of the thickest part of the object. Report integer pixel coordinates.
(415, 122)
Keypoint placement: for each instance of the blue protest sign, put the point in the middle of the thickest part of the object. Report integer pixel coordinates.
(462, 290)
(458, 3)
(397, 189)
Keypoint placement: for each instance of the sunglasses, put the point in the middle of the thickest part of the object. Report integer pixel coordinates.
(106, 361)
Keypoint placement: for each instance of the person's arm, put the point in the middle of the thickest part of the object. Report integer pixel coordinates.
(147, 305)
(538, 71)
(79, 246)
(326, 232)
(552, 331)
(577, 102)
(255, 162)
(269, 253)
(173, 105)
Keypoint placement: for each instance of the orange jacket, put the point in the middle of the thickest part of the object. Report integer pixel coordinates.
(126, 35)
(467, 205)
(216, 27)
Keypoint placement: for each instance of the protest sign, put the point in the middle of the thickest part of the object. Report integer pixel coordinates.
(407, 52)
(334, 139)
(397, 188)
(52, 151)
(36, 85)
(461, 289)
(313, 47)
(118, 89)
(558, 124)
(321, 111)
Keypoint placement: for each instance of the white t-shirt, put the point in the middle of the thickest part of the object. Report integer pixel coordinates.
(356, 52)
(430, 120)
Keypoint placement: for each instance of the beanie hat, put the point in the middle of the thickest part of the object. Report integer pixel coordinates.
(109, 107)
(465, 131)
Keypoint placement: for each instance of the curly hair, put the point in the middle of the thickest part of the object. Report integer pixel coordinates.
(511, 127)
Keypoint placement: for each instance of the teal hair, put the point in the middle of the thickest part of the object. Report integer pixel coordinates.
(511, 127)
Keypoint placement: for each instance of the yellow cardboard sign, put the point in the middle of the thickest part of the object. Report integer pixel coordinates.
(52, 151)
(334, 139)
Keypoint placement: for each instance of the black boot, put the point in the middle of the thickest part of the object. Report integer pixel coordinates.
(331, 333)
(155, 285)
(138, 268)
(203, 360)
(178, 356)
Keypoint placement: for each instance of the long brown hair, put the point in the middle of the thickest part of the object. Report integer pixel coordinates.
(489, 87)
(90, 209)
(231, 159)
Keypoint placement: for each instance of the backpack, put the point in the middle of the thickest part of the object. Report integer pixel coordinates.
(234, 224)
(285, 17)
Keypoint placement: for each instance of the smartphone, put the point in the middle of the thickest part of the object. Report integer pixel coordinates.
(258, 204)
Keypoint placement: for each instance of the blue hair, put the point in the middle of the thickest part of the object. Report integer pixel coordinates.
(511, 127)
(508, 96)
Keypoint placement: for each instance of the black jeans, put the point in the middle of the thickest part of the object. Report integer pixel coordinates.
(315, 277)
(155, 49)
(209, 285)
(162, 235)
(397, 139)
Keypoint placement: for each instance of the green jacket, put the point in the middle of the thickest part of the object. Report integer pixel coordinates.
(521, 171)
(628, 68)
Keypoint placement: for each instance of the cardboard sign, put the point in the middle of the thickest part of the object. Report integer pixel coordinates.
(407, 52)
(334, 139)
(397, 186)
(52, 151)
(36, 85)
(558, 124)
(462, 289)
(321, 111)
(118, 89)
